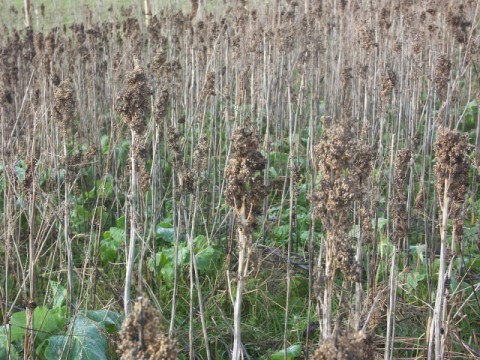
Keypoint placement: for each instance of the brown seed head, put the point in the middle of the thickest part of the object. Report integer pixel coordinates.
(64, 105)
(141, 336)
(134, 101)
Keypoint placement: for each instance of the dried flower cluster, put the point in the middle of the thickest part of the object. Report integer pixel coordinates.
(389, 81)
(345, 164)
(141, 337)
(82, 157)
(353, 346)
(29, 181)
(245, 189)
(399, 201)
(64, 106)
(161, 106)
(139, 151)
(134, 102)
(188, 176)
(456, 20)
(442, 74)
(451, 168)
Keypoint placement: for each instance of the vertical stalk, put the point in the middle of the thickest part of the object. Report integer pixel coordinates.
(389, 340)
(28, 13)
(29, 350)
(131, 246)
(328, 292)
(358, 284)
(148, 12)
(176, 217)
(241, 280)
(66, 229)
(435, 350)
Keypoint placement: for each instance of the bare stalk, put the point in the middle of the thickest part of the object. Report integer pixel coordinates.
(148, 12)
(435, 350)
(66, 234)
(243, 244)
(245, 193)
(30, 334)
(389, 339)
(358, 284)
(133, 221)
(28, 12)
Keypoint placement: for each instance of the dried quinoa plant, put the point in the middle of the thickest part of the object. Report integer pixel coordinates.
(399, 203)
(345, 164)
(141, 336)
(134, 102)
(64, 106)
(63, 114)
(442, 74)
(244, 193)
(353, 346)
(134, 107)
(451, 171)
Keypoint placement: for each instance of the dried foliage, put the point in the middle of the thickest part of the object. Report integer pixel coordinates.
(141, 336)
(245, 189)
(64, 106)
(451, 169)
(345, 164)
(134, 102)
(403, 162)
(353, 346)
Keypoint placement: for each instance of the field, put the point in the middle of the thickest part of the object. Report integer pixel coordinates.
(240, 180)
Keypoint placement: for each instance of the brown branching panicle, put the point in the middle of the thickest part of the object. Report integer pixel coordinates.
(354, 346)
(64, 106)
(245, 190)
(141, 336)
(453, 164)
(345, 164)
(134, 102)
(399, 201)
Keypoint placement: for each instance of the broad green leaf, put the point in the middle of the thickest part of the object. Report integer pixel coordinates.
(85, 340)
(108, 252)
(46, 322)
(59, 294)
(273, 172)
(19, 170)
(412, 280)
(111, 320)
(120, 222)
(164, 261)
(3, 337)
(103, 187)
(105, 144)
(419, 250)
(206, 258)
(200, 242)
(281, 233)
(112, 239)
(166, 232)
(116, 234)
(158, 261)
(381, 222)
(292, 352)
(13, 353)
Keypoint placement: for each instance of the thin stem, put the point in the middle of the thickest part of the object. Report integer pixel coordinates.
(435, 349)
(241, 281)
(133, 222)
